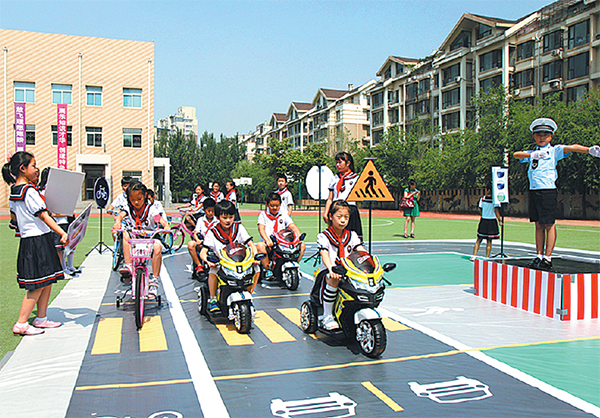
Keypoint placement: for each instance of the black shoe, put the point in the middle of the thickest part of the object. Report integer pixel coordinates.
(534, 264)
(545, 265)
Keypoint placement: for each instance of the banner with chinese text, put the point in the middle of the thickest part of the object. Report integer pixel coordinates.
(61, 136)
(19, 127)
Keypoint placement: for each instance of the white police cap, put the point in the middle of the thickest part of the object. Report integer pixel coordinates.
(543, 125)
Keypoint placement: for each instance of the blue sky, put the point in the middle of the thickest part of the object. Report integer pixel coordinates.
(238, 62)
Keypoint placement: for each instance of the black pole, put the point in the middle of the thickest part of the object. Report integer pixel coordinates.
(101, 242)
(319, 198)
(501, 253)
(370, 207)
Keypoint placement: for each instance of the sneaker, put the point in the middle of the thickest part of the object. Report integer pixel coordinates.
(126, 269)
(268, 275)
(27, 330)
(329, 323)
(533, 264)
(74, 270)
(199, 270)
(473, 258)
(46, 323)
(412, 235)
(213, 306)
(545, 265)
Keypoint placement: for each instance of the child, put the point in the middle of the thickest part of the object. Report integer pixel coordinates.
(271, 221)
(196, 209)
(542, 176)
(216, 193)
(488, 225)
(140, 214)
(334, 243)
(411, 213)
(38, 266)
(287, 201)
(202, 226)
(218, 237)
(121, 200)
(341, 186)
(232, 197)
(156, 204)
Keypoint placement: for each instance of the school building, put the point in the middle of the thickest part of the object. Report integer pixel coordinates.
(108, 88)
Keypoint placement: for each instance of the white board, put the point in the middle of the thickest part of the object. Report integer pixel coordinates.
(63, 190)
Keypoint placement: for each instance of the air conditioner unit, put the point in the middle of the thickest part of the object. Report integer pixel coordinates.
(457, 79)
(556, 84)
(557, 53)
(517, 92)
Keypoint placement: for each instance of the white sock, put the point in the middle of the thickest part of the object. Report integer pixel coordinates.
(20, 325)
(548, 258)
(540, 256)
(70, 260)
(41, 319)
(327, 309)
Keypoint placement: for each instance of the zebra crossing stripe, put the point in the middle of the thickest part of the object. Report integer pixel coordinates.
(108, 336)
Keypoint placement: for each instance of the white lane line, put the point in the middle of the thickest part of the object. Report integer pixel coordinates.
(208, 395)
(498, 365)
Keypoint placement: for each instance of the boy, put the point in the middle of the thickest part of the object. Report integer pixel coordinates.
(120, 201)
(218, 237)
(270, 221)
(202, 226)
(287, 201)
(542, 176)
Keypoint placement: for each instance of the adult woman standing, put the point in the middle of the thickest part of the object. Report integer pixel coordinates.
(413, 195)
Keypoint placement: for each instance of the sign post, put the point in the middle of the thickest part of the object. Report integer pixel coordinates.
(370, 187)
(101, 194)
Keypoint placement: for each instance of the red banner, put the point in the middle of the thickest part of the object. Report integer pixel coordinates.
(19, 127)
(61, 137)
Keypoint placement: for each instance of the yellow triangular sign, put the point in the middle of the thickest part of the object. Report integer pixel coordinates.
(370, 186)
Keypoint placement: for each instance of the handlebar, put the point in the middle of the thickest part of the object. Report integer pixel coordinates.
(143, 233)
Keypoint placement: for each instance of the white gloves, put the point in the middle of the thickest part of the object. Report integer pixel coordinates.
(595, 151)
(538, 155)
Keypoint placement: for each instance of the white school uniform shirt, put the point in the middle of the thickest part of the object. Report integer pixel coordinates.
(160, 209)
(232, 197)
(487, 206)
(283, 221)
(212, 241)
(147, 218)
(217, 197)
(120, 202)
(542, 173)
(323, 243)
(346, 188)
(203, 225)
(27, 203)
(286, 200)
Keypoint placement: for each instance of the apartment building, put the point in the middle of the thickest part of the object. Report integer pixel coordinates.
(107, 86)
(555, 50)
(185, 120)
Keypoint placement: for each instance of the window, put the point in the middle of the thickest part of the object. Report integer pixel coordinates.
(377, 135)
(411, 91)
(29, 134)
(469, 74)
(423, 107)
(393, 115)
(488, 83)
(338, 115)
(136, 175)
(132, 138)
(61, 93)
(451, 73)
(579, 66)
(552, 70)
(579, 34)
(525, 50)
(450, 98)
(490, 60)
(388, 73)
(132, 98)
(576, 93)
(94, 136)
(411, 111)
(24, 92)
(450, 121)
(377, 118)
(553, 40)
(524, 78)
(463, 40)
(93, 95)
(69, 135)
(424, 85)
(377, 99)
(399, 68)
(483, 31)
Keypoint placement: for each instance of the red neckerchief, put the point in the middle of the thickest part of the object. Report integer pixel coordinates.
(340, 184)
(274, 218)
(281, 192)
(336, 240)
(215, 195)
(140, 216)
(224, 237)
(229, 193)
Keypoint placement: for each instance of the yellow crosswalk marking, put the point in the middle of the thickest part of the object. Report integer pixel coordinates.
(274, 332)
(152, 335)
(293, 315)
(232, 337)
(108, 336)
(384, 398)
(392, 325)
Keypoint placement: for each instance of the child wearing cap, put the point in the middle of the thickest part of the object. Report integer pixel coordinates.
(542, 176)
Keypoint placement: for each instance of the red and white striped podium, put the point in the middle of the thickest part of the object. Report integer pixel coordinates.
(561, 296)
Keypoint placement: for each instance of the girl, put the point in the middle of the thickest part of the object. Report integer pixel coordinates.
(38, 266)
(216, 193)
(411, 192)
(334, 243)
(140, 214)
(231, 195)
(340, 187)
(196, 209)
(488, 225)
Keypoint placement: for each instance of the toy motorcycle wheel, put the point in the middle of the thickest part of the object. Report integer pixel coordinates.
(242, 317)
(203, 300)
(308, 318)
(371, 337)
(291, 279)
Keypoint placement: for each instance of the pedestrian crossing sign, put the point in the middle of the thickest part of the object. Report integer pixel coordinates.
(370, 186)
